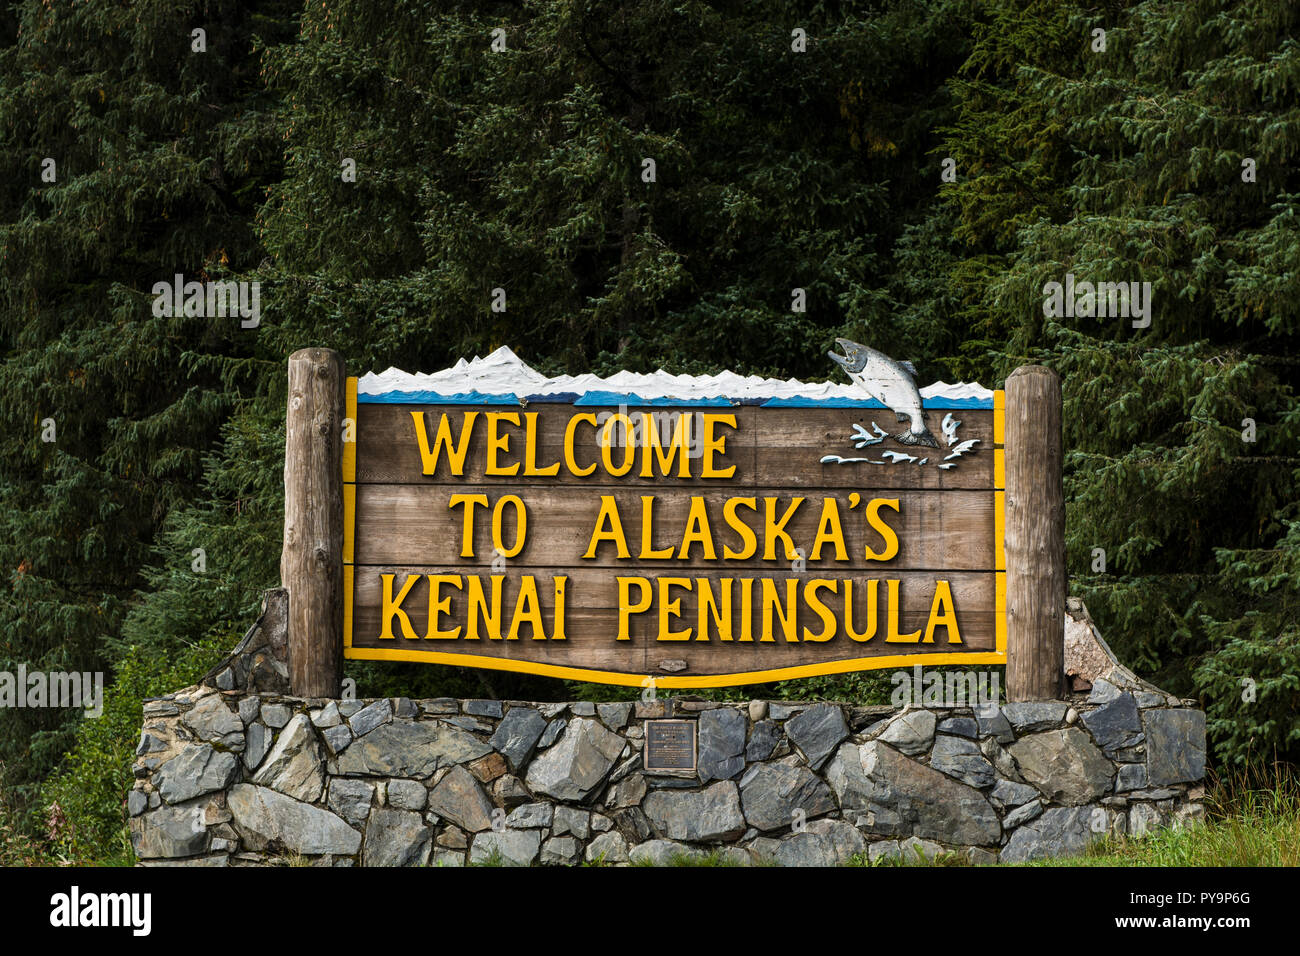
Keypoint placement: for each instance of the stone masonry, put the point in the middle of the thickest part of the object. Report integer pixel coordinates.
(234, 772)
(230, 778)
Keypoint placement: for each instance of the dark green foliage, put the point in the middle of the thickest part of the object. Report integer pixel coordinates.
(523, 170)
(1197, 524)
(88, 794)
(158, 152)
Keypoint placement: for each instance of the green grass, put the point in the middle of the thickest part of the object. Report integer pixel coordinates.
(1251, 819)
(711, 858)
(916, 859)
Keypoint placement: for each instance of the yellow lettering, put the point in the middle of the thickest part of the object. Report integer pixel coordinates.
(647, 531)
(608, 516)
(626, 608)
(528, 610)
(710, 445)
(393, 608)
(895, 611)
(671, 608)
(886, 532)
(521, 525)
(439, 607)
(711, 608)
(557, 625)
(570, 432)
(870, 632)
(821, 610)
(697, 530)
(530, 450)
(772, 601)
(497, 443)
(749, 540)
(678, 446)
(478, 608)
(746, 609)
(456, 454)
(829, 529)
(773, 529)
(942, 614)
(607, 445)
(467, 530)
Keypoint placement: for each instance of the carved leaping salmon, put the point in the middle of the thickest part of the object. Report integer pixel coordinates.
(890, 383)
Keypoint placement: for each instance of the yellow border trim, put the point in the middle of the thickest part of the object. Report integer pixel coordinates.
(349, 521)
(350, 447)
(348, 574)
(850, 665)
(1000, 616)
(1000, 519)
(999, 531)
(702, 680)
(349, 510)
(999, 417)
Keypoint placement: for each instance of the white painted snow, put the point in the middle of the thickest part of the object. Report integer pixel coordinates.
(504, 373)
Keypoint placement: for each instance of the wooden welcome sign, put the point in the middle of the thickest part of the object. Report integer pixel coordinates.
(665, 530)
(614, 537)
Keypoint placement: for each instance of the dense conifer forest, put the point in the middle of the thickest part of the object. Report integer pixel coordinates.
(923, 169)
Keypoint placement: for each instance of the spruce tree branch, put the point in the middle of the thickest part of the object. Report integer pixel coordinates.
(596, 58)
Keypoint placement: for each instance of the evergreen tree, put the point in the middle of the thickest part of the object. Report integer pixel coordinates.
(527, 170)
(126, 157)
(1197, 524)
(382, 167)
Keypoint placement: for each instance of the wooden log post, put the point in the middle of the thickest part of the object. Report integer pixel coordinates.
(311, 564)
(1035, 535)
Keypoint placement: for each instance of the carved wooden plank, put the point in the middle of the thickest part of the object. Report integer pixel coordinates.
(404, 525)
(772, 447)
(593, 617)
(413, 524)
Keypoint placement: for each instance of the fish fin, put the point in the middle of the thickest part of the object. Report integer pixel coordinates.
(911, 369)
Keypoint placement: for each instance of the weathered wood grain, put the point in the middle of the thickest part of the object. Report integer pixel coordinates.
(770, 447)
(592, 619)
(415, 524)
(311, 563)
(1035, 535)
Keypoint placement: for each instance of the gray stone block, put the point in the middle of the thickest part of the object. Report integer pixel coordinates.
(577, 764)
(708, 815)
(1029, 716)
(721, 743)
(517, 735)
(373, 715)
(817, 732)
(904, 796)
(1064, 765)
(961, 758)
(1175, 745)
(770, 793)
(196, 770)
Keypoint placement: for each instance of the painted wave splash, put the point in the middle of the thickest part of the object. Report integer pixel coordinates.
(861, 438)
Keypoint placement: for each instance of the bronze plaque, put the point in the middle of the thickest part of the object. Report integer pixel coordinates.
(669, 745)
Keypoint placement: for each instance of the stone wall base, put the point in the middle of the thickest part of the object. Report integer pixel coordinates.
(231, 777)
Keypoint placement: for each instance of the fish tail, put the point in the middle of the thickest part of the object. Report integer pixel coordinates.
(923, 437)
